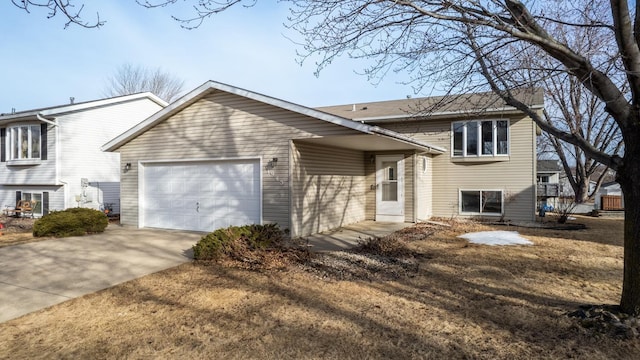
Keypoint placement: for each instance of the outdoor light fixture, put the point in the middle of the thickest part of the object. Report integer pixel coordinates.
(127, 167)
(272, 163)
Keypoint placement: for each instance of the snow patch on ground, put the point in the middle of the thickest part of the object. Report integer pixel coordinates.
(496, 238)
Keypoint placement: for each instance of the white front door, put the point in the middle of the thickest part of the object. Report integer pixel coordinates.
(390, 188)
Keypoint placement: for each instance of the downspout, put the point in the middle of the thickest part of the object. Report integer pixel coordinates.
(415, 187)
(45, 120)
(54, 123)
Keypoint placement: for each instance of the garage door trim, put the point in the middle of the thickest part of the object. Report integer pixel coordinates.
(141, 182)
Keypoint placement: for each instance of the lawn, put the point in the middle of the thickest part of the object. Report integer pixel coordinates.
(449, 300)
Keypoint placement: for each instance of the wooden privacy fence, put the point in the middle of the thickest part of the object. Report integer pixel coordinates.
(611, 202)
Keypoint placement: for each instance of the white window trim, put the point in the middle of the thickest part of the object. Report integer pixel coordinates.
(12, 158)
(480, 213)
(35, 214)
(479, 139)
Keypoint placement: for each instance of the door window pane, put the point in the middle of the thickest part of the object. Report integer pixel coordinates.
(390, 191)
(390, 181)
(390, 170)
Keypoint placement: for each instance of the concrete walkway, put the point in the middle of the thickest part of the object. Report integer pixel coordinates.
(348, 236)
(40, 274)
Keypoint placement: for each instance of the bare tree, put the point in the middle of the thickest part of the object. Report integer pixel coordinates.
(467, 45)
(573, 108)
(130, 79)
(63, 7)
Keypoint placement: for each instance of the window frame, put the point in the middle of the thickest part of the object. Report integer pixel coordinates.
(31, 193)
(461, 129)
(481, 212)
(14, 143)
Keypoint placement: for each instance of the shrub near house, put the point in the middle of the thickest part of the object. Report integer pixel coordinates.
(236, 241)
(70, 222)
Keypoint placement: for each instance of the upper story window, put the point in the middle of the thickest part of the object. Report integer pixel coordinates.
(480, 138)
(24, 142)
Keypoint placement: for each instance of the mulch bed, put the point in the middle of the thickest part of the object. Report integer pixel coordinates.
(16, 225)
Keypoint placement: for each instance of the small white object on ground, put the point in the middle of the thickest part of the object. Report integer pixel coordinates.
(496, 238)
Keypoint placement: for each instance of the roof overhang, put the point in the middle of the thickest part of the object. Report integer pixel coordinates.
(370, 142)
(45, 115)
(507, 110)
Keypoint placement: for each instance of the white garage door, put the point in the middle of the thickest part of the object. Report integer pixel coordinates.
(201, 196)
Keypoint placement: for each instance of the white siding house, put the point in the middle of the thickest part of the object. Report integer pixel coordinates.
(53, 155)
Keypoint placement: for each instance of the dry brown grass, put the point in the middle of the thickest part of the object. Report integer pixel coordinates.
(463, 301)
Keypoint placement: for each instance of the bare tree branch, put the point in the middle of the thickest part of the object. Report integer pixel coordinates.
(64, 7)
(130, 79)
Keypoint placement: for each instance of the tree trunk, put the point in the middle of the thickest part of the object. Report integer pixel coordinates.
(627, 177)
(582, 191)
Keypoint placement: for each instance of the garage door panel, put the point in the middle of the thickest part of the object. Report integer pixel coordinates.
(201, 196)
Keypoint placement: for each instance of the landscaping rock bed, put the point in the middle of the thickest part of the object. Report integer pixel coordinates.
(16, 225)
(607, 319)
(344, 265)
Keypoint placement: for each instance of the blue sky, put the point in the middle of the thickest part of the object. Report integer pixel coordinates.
(43, 64)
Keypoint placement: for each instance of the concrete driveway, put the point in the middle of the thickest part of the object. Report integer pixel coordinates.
(37, 275)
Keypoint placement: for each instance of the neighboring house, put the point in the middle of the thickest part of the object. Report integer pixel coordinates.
(548, 179)
(609, 197)
(567, 189)
(223, 156)
(52, 155)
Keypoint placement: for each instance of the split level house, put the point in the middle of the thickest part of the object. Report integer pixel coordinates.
(52, 157)
(222, 155)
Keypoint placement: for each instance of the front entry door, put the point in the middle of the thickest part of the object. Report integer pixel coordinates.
(390, 188)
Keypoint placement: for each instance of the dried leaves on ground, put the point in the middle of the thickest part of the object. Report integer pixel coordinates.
(439, 297)
(16, 230)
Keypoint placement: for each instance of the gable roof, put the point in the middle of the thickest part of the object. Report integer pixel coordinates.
(437, 106)
(548, 166)
(211, 86)
(69, 108)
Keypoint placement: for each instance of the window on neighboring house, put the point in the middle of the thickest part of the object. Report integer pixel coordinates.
(543, 179)
(24, 142)
(37, 197)
(480, 138)
(483, 202)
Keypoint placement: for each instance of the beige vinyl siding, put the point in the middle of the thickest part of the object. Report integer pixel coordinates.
(328, 188)
(370, 170)
(424, 188)
(219, 126)
(515, 177)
